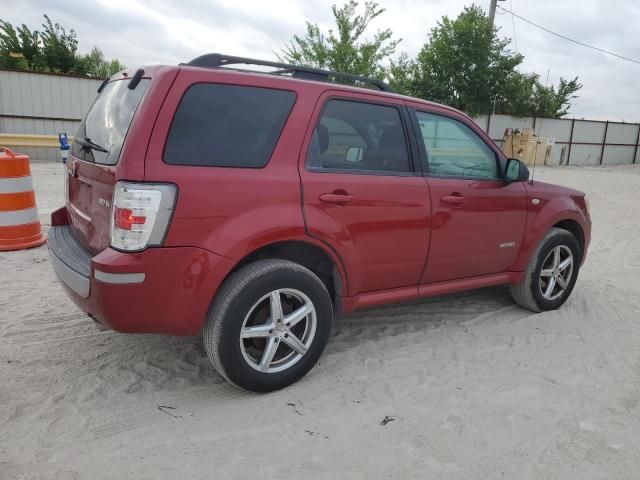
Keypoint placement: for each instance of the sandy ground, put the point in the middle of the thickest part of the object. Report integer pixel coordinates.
(473, 386)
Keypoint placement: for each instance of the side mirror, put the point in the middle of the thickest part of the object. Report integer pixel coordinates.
(516, 171)
(354, 154)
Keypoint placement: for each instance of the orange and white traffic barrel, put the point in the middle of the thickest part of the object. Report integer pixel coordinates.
(19, 224)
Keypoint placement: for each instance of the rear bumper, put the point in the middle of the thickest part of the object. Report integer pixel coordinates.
(70, 261)
(159, 290)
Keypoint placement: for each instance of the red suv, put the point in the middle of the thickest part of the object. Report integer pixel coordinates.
(254, 206)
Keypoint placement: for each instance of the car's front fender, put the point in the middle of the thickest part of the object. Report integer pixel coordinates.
(544, 215)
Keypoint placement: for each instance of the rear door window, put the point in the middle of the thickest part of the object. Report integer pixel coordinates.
(107, 122)
(359, 136)
(227, 126)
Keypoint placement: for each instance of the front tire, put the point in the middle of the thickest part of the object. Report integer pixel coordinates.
(551, 272)
(268, 325)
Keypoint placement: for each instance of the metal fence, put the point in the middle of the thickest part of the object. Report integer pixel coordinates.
(47, 104)
(43, 104)
(577, 142)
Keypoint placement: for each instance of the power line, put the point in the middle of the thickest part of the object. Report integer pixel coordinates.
(513, 23)
(567, 38)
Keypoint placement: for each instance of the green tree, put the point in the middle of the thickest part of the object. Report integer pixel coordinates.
(59, 47)
(402, 75)
(344, 49)
(51, 50)
(19, 47)
(95, 65)
(467, 66)
(555, 102)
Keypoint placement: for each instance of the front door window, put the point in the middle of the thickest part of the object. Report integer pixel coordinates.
(454, 150)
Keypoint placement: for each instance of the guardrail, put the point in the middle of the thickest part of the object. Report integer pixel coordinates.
(22, 140)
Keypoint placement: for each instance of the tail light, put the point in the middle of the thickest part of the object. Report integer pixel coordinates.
(140, 214)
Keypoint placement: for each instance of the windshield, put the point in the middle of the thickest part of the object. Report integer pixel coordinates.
(102, 132)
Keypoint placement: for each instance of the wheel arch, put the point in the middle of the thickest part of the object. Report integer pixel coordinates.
(555, 214)
(575, 229)
(324, 263)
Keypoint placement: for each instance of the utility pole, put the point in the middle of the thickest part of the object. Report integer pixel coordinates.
(492, 10)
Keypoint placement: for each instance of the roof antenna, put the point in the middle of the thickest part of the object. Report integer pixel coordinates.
(535, 155)
(533, 168)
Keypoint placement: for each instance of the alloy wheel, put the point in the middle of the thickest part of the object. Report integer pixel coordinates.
(556, 272)
(278, 330)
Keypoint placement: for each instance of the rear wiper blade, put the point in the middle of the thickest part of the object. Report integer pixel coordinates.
(87, 145)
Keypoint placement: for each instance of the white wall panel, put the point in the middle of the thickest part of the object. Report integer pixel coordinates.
(556, 153)
(481, 120)
(500, 122)
(622, 133)
(617, 155)
(47, 97)
(585, 155)
(588, 132)
(37, 127)
(558, 129)
(41, 95)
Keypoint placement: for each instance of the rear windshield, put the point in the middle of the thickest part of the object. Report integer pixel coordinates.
(227, 126)
(107, 122)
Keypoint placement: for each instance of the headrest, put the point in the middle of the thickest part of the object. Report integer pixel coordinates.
(322, 133)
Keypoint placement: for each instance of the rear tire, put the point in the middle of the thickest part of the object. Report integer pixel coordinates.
(268, 325)
(551, 272)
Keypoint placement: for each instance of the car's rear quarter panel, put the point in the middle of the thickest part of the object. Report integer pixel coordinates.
(139, 134)
(233, 211)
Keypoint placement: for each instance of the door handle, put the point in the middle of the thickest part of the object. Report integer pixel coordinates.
(455, 200)
(337, 198)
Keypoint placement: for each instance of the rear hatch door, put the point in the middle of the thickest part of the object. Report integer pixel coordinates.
(91, 169)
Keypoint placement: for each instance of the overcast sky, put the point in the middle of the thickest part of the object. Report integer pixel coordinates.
(170, 31)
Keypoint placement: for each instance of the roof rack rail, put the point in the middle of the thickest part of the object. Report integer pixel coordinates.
(214, 60)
